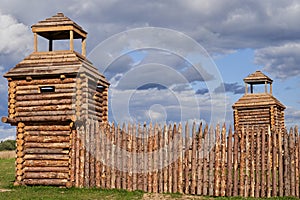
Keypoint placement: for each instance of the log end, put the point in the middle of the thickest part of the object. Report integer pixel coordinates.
(8, 120)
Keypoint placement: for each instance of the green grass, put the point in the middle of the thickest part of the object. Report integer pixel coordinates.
(7, 175)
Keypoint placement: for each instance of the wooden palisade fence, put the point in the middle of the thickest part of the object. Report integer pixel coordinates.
(191, 159)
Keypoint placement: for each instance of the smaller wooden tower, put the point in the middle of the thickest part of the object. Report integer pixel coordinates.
(258, 109)
(53, 95)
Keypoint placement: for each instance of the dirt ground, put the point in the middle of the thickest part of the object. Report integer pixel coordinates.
(170, 197)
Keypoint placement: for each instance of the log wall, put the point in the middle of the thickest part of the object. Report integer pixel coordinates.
(187, 159)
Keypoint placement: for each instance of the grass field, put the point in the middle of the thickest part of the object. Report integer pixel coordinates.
(9, 192)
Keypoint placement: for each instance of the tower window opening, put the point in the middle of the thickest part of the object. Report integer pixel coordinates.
(46, 89)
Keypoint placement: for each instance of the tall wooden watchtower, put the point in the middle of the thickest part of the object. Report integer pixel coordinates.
(52, 95)
(258, 109)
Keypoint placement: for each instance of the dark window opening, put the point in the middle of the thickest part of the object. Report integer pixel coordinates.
(45, 89)
(100, 87)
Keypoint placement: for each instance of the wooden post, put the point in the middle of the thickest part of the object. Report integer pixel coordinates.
(50, 45)
(175, 158)
(83, 47)
(180, 160)
(269, 163)
(35, 42)
(242, 164)
(235, 164)
(199, 161)
(211, 161)
(286, 165)
(19, 154)
(71, 40)
(194, 159)
(166, 159)
(247, 151)
(145, 152)
(150, 159)
(134, 158)
(223, 161)
(205, 161)
(280, 164)
(186, 160)
(229, 163)
(274, 164)
(292, 161)
(263, 164)
(258, 163)
(252, 164)
(296, 163)
(217, 162)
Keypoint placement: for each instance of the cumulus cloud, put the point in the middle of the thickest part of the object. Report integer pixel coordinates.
(292, 116)
(280, 61)
(15, 40)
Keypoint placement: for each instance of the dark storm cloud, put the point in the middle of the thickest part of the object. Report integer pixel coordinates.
(235, 88)
(202, 91)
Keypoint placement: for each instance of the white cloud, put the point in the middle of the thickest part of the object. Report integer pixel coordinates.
(7, 133)
(15, 36)
(281, 61)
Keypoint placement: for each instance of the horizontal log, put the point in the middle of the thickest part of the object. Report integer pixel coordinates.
(45, 163)
(8, 120)
(47, 169)
(46, 113)
(45, 175)
(46, 81)
(36, 91)
(58, 86)
(45, 151)
(54, 182)
(61, 118)
(46, 139)
(49, 127)
(48, 133)
(44, 108)
(44, 96)
(44, 102)
(46, 145)
(46, 157)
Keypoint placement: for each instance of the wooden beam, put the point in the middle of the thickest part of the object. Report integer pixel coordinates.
(71, 40)
(83, 47)
(35, 42)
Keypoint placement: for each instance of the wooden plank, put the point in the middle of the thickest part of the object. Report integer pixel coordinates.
(134, 158)
(252, 163)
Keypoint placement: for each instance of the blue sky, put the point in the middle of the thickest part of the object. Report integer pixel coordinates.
(160, 84)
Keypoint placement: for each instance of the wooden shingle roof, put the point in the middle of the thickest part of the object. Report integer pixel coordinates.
(57, 27)
(257, 100)
(257, 78)
(54, 63)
